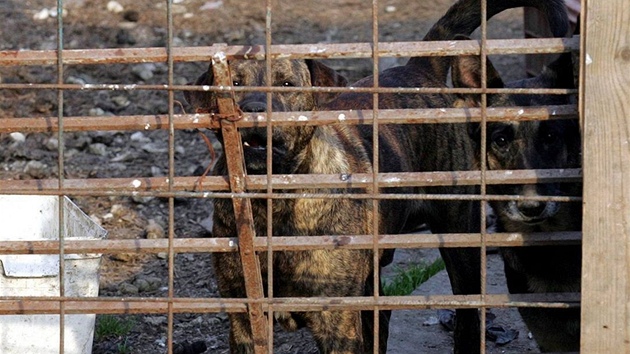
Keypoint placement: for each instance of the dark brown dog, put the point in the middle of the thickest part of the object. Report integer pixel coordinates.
(535, 145)
(346, 150)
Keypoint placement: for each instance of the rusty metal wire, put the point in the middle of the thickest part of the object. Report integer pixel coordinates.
(295, 51)
(292, 243)
(50, 305)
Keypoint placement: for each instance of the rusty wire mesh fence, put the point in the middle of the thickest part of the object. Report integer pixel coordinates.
(178, 190)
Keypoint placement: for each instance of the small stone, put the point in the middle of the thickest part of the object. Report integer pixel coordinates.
(140, 137)
(18, 137)
(180, 150)
(36, 169)
(390, 9)
(147, 285)
(154, 148)
(70, 153)
(155, 320)
(43, 14)
(154, 282)
(98, 149)
(211, 5)
(75, 80)
(144, 71)
(129, 289)
(154, 230)
(125, 156)
(121, 101)
(52, 144)
(162, 255)
(115, 7)
(52, 12)
(142, 285)
(96, 112)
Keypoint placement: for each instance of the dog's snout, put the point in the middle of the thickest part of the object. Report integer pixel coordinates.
(254, 107)
(532, 209)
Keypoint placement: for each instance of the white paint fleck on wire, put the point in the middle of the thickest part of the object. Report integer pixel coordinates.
(588, 59)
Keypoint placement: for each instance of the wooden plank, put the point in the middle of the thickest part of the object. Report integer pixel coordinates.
(606, 232)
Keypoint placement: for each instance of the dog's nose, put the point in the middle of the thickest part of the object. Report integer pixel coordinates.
(531, 209)
(254, 107)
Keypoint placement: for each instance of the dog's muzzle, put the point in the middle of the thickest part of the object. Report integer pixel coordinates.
(531, 212)
(253, 107)
(255, 150)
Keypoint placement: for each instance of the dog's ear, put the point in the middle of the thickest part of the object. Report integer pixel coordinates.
(202, 101)
(466, 73)
(324, 76)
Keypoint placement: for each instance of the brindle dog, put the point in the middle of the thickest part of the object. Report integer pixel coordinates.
(535, 145)
(339, 149)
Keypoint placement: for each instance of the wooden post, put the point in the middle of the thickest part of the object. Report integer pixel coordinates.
(605, 98)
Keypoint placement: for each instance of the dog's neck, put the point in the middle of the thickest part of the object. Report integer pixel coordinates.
(325, 154)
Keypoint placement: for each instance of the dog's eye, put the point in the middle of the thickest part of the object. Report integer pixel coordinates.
(501, 140)
(236, 83)
(287, 84)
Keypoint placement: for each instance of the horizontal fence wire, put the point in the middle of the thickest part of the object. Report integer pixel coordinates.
(144, 305)
(292, 243)
(294, 51)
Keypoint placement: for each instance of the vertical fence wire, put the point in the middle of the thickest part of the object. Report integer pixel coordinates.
(60, 165)
(375, 169)
(269, 201)
(482, 206)
(171, 176)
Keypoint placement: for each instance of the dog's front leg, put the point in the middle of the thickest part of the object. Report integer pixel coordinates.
(241, 339)
(463, 265)
(231, 285)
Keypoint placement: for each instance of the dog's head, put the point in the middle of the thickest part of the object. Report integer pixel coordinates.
(518, 145)
(287, 142)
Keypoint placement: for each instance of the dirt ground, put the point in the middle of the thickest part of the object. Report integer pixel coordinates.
(88, 24)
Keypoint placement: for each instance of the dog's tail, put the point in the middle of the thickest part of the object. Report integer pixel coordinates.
(464, 17)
